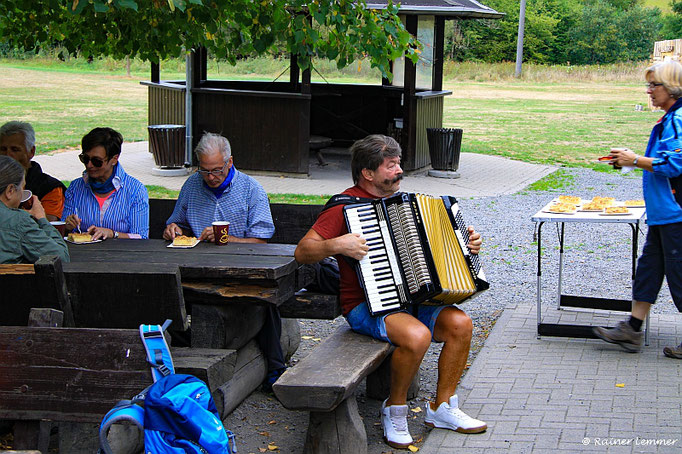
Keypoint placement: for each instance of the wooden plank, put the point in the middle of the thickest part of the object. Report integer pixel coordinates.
(55, 373)
(331, 373)
(311, 305)
(231, 326)
(213, 366)
(243, 292)
(136, 293)
(292, 222)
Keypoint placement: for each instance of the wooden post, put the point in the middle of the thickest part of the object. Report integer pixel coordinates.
(155, 76)
(438, 47)
(305, 81)
(294, 72)
(409, 136)
(49, 269)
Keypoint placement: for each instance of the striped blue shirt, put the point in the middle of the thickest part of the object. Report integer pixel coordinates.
(244, 204)
(126, 210)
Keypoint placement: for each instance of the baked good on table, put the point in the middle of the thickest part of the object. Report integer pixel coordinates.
(604, 201)
(79, 237)
(183, 240)
(575, 200)
(562, 208)
(592, 206)
(616, 210)
(634, 203)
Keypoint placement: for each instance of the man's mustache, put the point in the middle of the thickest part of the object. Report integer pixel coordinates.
(394, 180)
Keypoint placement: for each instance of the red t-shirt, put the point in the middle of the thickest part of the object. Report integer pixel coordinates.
(331, 224)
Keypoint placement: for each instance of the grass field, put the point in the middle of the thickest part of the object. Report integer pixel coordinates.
(570, 118)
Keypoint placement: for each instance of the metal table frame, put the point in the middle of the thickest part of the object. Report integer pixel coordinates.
(582, 331)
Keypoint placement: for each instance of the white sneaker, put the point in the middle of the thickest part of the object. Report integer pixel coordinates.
(394, 421)
(451, 417)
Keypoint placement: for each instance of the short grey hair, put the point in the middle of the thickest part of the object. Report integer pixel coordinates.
(211, 143)
(668, 73)
(11, 173)
(15, 127)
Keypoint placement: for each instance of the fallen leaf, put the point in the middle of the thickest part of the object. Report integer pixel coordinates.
(317, 339)
(417, 409)
(272, 447)
(620, 385)
(306, 337)
(272, 422)
(413, 448)
(262, 450)
(265, 434)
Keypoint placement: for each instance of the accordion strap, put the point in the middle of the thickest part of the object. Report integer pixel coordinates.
(345, 199)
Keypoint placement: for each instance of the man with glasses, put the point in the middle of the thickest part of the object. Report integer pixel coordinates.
(106, 202)
(219, 192)
(17, 140)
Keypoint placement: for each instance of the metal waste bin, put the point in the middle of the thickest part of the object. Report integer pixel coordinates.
(167, 144)
(444, 148)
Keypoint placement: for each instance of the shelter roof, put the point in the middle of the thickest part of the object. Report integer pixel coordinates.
(450, 8)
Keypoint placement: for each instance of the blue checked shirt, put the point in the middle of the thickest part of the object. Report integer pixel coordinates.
(126, 210)
(244, 204)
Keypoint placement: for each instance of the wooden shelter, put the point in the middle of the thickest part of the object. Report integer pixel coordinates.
(270, 124)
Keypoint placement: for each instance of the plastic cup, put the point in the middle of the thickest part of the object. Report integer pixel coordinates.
(60, 226)
(26, 199)
(220, 231)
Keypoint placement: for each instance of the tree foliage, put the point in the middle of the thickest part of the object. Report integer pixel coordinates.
(560, 31)
(340, 30)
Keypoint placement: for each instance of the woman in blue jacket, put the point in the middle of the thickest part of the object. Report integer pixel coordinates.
(662, 185)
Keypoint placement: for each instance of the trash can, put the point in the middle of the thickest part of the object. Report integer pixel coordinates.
(167, 144)
(444, 148)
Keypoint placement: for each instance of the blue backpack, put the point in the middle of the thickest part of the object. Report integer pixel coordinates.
(176, 413)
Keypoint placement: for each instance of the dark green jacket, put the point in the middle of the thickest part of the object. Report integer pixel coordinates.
(25, 240)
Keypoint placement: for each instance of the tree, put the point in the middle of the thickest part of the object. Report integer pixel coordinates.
(340, 30)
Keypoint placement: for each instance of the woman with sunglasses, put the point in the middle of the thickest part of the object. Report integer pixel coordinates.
(662, 185)
(24, 235)
(106, 202)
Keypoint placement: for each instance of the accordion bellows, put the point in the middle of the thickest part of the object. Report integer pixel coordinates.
(417, 252)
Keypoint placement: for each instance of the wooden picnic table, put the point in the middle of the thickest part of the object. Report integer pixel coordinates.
(259, 273)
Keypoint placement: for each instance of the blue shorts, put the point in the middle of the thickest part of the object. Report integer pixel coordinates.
(661, 256)
(362, 322)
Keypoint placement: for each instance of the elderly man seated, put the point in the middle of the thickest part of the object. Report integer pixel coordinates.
(17, 140)
(220, 192)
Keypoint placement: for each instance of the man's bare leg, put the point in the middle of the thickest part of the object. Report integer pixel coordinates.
(454, 328)
(411, 339)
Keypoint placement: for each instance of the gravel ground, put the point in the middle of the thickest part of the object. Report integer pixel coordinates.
(596, 261)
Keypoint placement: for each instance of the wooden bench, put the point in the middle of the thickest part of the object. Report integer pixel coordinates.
(117, 295)
(324, 383)
(78, 374)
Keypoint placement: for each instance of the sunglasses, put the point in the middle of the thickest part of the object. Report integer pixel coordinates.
(97, 162)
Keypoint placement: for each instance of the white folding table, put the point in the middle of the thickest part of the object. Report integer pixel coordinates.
(633, 219)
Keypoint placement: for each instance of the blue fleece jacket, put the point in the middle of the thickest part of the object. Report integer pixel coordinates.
(663, 186)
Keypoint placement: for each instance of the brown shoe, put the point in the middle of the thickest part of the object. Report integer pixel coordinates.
(622, 334)
(673, 352)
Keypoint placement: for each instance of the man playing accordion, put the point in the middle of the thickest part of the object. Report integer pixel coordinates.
(376, 171)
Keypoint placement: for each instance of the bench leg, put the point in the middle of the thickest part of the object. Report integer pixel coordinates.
(337, 432)
(379, 382)
(32, 435)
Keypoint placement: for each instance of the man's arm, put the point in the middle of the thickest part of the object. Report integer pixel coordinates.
(313, 247)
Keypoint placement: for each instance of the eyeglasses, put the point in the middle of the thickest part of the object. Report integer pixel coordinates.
(214, 172)
(652, 85)
(97, 162)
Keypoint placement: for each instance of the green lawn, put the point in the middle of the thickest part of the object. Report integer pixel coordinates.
(569, 120)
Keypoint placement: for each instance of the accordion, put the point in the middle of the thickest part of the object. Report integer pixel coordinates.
(417, 252)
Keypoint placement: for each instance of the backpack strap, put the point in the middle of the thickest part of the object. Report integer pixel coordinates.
(344, 199)
(125, 410)
(158, 352)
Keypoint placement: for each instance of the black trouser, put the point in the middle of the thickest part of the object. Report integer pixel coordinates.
(268, 338)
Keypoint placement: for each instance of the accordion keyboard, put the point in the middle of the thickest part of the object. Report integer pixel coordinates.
(380, 273)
